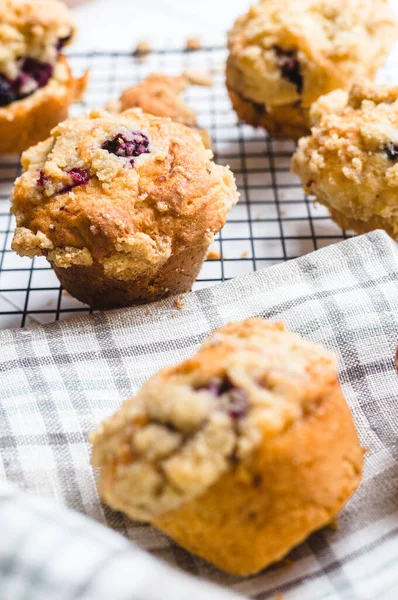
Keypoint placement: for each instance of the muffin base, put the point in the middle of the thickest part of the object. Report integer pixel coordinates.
(91, 286)
(295, 484)
(359, 226)
(26, 122)
(291, 120)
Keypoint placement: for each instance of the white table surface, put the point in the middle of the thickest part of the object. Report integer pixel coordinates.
(119, 24)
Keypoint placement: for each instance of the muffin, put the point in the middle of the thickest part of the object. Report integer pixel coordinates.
(350, 161)
(124, 206)
(36, 82)
(283, 55)
(238, 453)
(160, 95)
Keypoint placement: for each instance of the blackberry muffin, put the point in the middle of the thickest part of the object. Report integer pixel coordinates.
(123, 206)
(160, 95)
(36, 82)
(238, 453)
(284, 55)
(350, 161)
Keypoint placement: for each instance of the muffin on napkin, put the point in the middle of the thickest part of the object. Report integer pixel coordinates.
(238, 453)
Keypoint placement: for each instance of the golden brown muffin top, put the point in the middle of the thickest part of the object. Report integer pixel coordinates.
(191, 423)
(288, 51)
(160, 95)
(352, 155)
(35, 29)
(125, 190)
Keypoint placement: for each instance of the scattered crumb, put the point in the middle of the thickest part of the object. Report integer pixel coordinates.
(244, 254)
(365, 450)
(147, 312)
(258, 217)
(193, 44)
(33, 320)
(213, 255)
(283, 213)
(65, 293)
(142, 49)
(279, 596)
(179, 303)
(206, 139)
(219, 68)
(195, 77)
(286, 562)
(173, 316)
(334, 524)
(113, 106)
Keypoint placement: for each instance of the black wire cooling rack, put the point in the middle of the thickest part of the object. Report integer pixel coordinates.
(273, 222)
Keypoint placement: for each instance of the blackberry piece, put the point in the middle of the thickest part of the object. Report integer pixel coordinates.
(391, 150)
(290, 67)
(126, 146)
(78, 177)
(7, 94)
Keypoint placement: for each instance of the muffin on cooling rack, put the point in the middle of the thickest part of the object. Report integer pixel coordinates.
(238, 453)
(36, 83)
(350, 161)
(160, 95)
(124, 206)
(284, 55)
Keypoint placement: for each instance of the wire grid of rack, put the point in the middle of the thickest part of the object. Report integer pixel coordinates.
(274, 221)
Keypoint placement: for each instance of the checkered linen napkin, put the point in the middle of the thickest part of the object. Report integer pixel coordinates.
(57, 382)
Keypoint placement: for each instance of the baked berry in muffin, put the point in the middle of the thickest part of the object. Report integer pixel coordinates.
(238, 453)
(124, 206)
(284, 55)
(36, 83)
(350, 161)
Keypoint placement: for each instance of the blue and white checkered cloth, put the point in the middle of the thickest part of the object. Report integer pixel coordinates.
(57, 382)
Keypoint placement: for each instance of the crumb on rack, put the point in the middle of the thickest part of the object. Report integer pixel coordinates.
(219, 68)
(195, 77)
(244, 254)
(213, 255)
(193, 44)
(179, 303)
(142, 49)
(147, 312)
(279, 596)
(283, 213)
(33, 320)
(65, 293)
